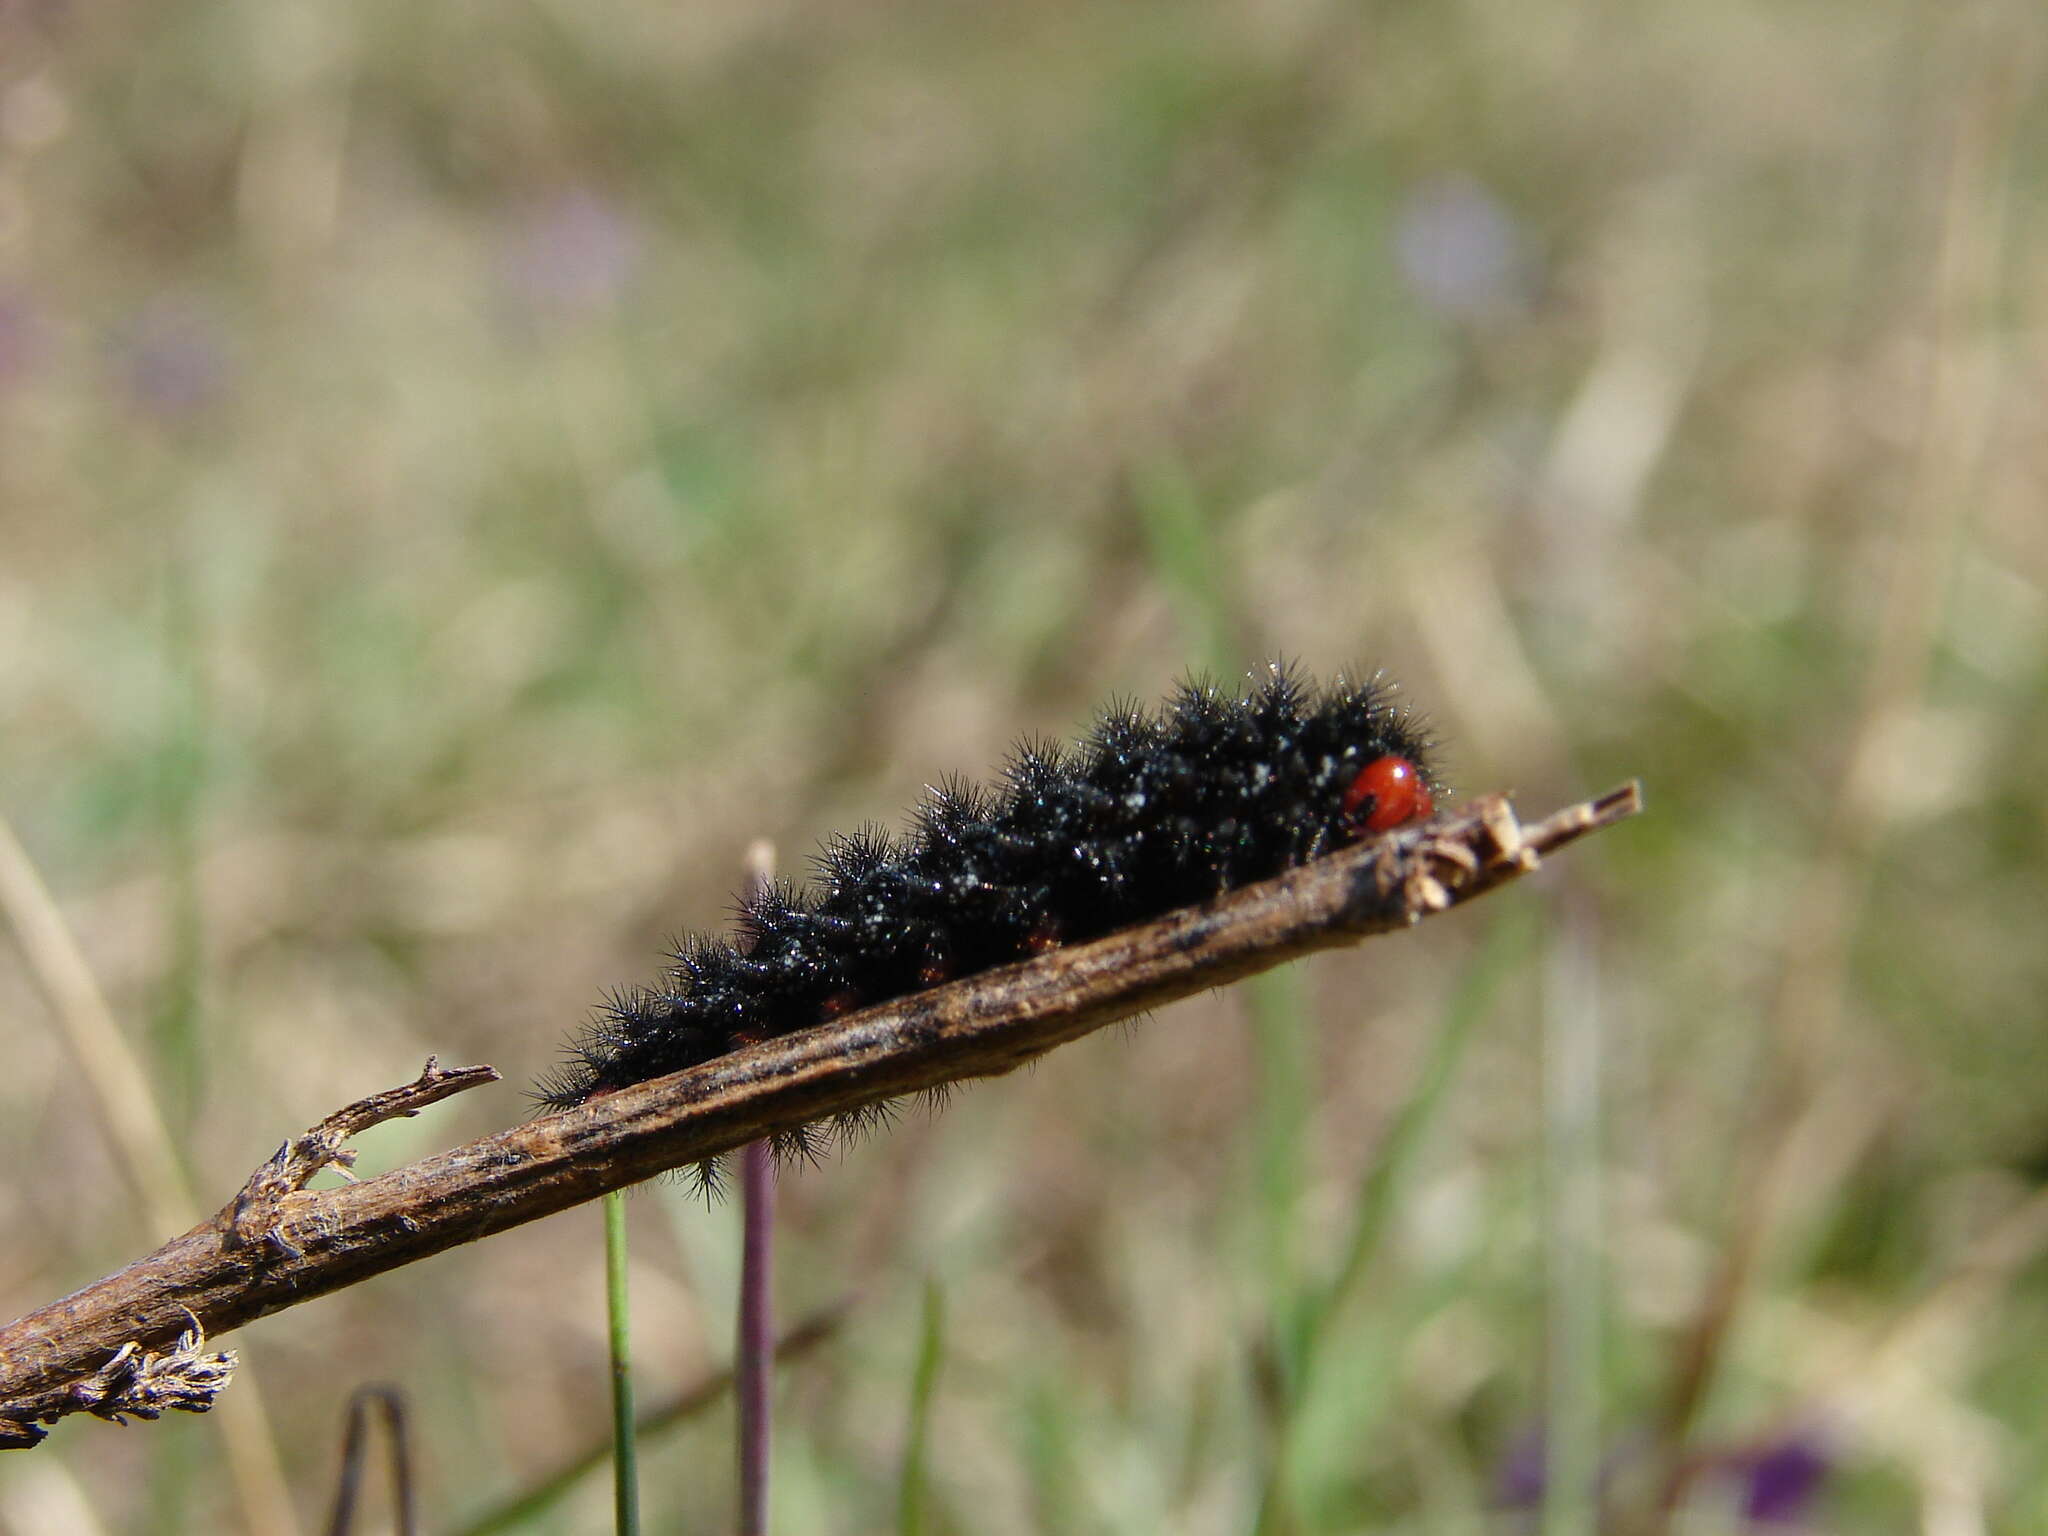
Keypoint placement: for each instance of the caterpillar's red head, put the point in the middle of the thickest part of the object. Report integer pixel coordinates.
(1387, 792)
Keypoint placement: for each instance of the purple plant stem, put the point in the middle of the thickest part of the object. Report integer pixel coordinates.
(754, 1352)
(754, 1361)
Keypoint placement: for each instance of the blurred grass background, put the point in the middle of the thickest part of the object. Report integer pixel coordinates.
(466, 470)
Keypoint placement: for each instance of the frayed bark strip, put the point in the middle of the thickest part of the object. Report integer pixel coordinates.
(317, 1241)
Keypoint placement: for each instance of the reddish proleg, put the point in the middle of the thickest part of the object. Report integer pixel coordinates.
(1397, 792)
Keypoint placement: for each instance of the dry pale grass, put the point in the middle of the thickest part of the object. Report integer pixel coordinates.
(466, 471)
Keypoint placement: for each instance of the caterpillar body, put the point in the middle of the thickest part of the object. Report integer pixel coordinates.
(1153, 810)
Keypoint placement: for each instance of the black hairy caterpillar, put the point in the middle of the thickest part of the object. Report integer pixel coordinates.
(1152, 811)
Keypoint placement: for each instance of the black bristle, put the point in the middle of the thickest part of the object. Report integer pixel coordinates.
(707, 1179)
(850, 1126)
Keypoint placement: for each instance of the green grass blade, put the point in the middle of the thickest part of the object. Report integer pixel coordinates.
(625, 1450)
(931, 1354)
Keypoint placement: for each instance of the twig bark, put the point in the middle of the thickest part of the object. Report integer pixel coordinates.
(255, 1215)
(277, 1243)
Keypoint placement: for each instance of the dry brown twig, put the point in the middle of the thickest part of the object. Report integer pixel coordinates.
(278, 1243)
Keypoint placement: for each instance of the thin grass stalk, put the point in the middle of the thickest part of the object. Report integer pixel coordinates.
(754, 1349)
(388, 1403)
(931, 1355)
(754, 1357)
(625, 1449)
